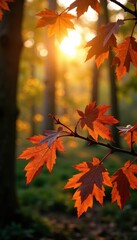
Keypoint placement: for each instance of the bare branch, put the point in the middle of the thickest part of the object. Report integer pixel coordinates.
(126, 9)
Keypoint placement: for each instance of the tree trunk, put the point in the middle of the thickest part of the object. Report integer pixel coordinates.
(10, 48)
(96, 72)
(112, 77)
(50, 78)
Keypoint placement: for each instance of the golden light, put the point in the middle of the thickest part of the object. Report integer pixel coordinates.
(69, 44)
(29, 43)
(65, 3)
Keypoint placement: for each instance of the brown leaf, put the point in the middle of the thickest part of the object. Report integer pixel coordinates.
(82, 6)
(100, 45)
(89, 184)
(122, 180)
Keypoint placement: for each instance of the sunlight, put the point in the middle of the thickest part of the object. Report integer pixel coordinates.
(70, 44)
(65, 3)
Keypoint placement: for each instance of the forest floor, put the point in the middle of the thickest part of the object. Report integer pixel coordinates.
(52, 209)
(94, 225)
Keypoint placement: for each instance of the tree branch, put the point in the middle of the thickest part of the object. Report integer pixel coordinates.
(126, 9)
(106, 145)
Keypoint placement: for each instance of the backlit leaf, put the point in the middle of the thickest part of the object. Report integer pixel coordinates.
(89, 183)
(126, 53)
(40, 155)
(95, 120)
(100, 45)
(124, 179)
(82, 6)
(58, 24)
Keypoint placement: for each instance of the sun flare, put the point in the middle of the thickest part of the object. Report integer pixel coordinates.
(69, 44)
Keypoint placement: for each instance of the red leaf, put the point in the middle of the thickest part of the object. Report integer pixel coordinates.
(4, 6)
(82, 6)
(101, 43)
(89, 184)
(40, 155)
(126, 54)
(95, 121)
(120, 191)
(122, 180)
(58, 24)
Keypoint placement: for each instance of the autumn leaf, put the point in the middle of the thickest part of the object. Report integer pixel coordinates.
(120, 191)
(40, 155)
(58, 24)
(111, 28)
(122, 181)
(126, 53)
(89, 183)
(4, 6)
(130, 133)
(51, 136)
(82, 6)
(95, 120)
(100, 45)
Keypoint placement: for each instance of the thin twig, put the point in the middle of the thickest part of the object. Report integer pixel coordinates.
(109, 153)
(126, 9)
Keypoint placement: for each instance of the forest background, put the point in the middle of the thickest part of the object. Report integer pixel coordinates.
(74, 88)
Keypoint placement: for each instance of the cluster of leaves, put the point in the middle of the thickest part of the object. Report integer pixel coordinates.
(90, 182)
(105, 40)
(93, 175)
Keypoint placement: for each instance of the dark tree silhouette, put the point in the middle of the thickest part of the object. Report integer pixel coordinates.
(10, 49)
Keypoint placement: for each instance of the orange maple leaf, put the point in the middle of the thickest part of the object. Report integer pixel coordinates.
(126, 53)
(4, 6)
(95, 121)
(39, 155)
(58, 24)
(89, 184)
(82, 6)
(128, 138)
(122, 180)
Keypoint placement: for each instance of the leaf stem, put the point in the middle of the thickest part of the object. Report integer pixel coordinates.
(133, 161)
(77, 125)
(133, 29)
(58, 122)
(109, 153)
